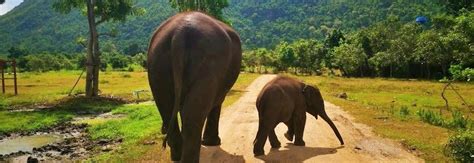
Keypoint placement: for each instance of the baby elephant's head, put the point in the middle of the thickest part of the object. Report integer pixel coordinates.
(315, 106)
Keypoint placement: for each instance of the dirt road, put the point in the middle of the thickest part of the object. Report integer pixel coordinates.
(239, 124)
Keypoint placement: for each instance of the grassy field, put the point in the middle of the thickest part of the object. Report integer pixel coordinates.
(49, 87)
(141, 123)
(390, 106)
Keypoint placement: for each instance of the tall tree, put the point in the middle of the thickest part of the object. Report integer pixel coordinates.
(213, 7)
(97, 12)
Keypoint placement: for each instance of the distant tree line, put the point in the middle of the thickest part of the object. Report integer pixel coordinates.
(442, 48)
(128, 60)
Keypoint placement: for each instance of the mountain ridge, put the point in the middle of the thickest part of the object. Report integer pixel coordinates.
(35, 26)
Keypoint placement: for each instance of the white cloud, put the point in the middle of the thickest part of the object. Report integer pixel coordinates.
(9, 5)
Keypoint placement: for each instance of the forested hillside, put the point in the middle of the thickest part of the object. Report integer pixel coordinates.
(36, 27)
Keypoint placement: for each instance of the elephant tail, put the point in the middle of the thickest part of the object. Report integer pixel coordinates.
(177, 68)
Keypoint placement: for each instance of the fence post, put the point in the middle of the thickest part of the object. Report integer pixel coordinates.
(14, 77)
(3, 78)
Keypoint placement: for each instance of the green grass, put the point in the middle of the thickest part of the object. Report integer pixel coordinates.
(19, 121)
(41, 88)
(389, 106)
(142, 123)
(64, 111)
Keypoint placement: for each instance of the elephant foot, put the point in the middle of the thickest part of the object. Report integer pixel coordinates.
(299, 143)
(288, 137)
(211, 142)
(258, 152)
(276, 145)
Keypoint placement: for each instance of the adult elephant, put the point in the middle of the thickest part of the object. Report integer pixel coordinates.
(193, 61)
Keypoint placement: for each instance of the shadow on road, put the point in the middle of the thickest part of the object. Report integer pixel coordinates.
(292, 153)
(217, 154)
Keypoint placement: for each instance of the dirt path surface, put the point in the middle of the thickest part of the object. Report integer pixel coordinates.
(239, 124)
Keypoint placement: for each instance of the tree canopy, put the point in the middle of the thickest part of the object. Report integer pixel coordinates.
(212, 7)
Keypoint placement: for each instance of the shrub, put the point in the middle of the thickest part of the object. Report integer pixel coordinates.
(404, 112)
(430, 117)
(461, 75)
(119, 61)
(130, 69)
(460, 146)
(458, 121)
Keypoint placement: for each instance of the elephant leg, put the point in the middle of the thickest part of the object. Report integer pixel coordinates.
(260, 139)
(211, 132)
(291, 130)
(175, 142)
(273, 139)
(299, 124)
(196, 107)
(265, 126)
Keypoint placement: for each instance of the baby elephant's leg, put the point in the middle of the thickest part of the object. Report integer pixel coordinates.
(273, 139)
(291, 130)
(299, 124)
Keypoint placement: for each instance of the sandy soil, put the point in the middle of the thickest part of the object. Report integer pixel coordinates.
(239, 124)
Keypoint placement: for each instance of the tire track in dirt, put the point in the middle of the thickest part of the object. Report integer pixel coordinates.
(239, 125)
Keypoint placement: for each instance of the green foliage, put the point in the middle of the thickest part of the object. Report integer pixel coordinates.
(213, 7)
(16, 52)
(430, 117)
(461, 75)
(140, 59)
(133, 49)
(457, 6)
(460, 146)
(45, 62)
(456, 72)
(115, 10)
(259, 23)
(458, 121)
(404, 112)
(390, 48)
(118, 61)
(350, 58)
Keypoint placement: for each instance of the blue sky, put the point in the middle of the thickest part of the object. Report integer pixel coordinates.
(9, 5)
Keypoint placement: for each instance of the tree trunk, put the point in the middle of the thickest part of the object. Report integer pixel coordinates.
(391, 69)
(93, 60)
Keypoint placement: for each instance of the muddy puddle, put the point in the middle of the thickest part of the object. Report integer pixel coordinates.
(27, 143)
(68, 141)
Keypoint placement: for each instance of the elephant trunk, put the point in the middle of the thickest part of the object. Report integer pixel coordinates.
(326, 118)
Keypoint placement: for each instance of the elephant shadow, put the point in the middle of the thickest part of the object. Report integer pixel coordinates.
(292, 153)
(215, 154)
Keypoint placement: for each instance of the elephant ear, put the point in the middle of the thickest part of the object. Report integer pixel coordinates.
(309, 95)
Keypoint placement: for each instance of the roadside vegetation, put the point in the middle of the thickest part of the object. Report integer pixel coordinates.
(404, 110)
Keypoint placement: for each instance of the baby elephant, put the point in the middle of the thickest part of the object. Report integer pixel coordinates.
(287, 100)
